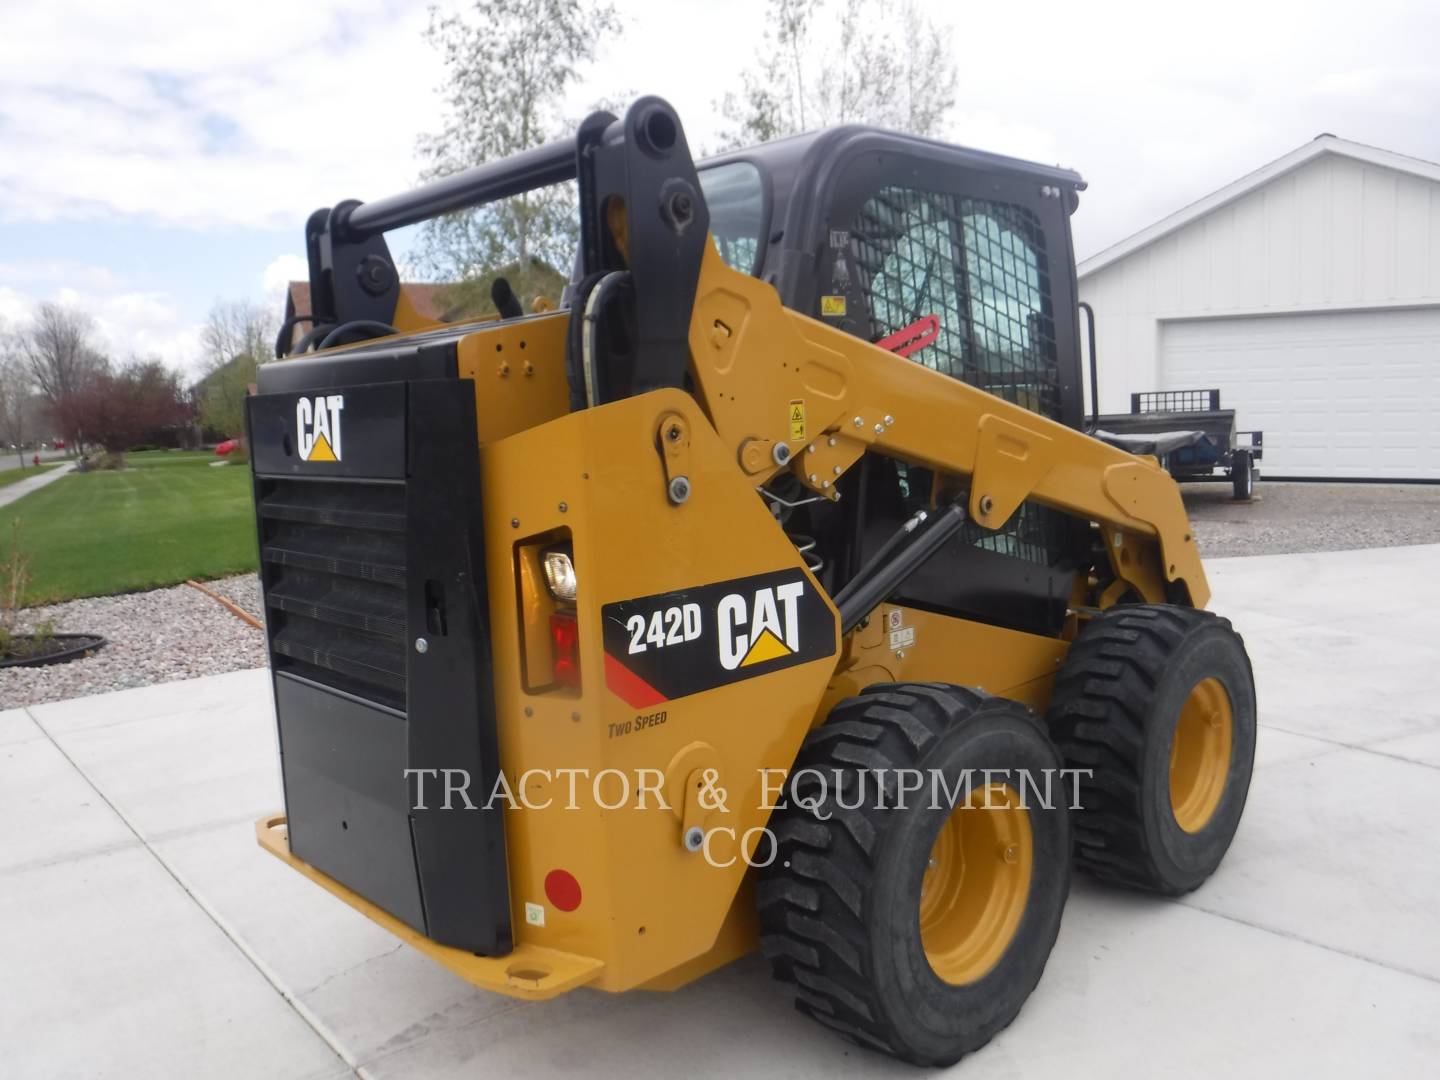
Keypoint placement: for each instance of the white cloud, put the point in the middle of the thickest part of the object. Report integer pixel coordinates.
(128, 323)
(254, 114)
(14, 308)
(282, 270)
(251, 115)
(57, 272)
(141, 324)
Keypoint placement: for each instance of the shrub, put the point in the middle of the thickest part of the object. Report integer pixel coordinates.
(103, 462)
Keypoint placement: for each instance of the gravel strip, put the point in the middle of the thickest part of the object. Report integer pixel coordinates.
(1286, 518)
(156, 636)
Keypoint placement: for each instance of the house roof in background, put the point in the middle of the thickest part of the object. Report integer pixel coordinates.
(1316, 147)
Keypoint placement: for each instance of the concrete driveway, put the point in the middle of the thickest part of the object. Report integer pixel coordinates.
(143, 932)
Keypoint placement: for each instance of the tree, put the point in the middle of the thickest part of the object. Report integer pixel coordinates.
(509, 64)
(17, 394)
(829, 62)
(18, 412)
(119, 409)
(60, 352)
(236, 338)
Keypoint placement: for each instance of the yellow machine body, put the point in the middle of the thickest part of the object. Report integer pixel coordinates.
(651, 912)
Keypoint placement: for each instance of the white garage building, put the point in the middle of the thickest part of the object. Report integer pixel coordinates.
(1309, 293)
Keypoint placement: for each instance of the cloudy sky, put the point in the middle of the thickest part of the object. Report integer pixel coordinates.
(156, 156)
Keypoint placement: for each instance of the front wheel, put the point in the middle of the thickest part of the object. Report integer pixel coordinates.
(1155, 710)
(917, 922)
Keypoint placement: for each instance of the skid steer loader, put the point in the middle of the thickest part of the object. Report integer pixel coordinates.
(765, 592)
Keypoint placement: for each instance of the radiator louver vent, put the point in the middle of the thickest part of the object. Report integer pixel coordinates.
(334, 553)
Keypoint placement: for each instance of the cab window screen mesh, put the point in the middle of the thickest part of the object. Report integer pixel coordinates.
(981, 268)
(739, 252)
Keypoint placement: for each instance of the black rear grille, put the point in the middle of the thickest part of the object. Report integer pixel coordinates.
(334, 554)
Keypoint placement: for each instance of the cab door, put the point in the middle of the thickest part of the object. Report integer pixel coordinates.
(985, 252)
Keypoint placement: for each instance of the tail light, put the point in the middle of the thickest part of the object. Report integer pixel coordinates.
(546, 589)
(565, 648)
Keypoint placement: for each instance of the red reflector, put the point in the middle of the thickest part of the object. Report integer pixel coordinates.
(562, 890)
(565, 648)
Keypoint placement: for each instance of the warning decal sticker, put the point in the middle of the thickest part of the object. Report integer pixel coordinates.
(797, 422)
(662, 647)
(832, 306)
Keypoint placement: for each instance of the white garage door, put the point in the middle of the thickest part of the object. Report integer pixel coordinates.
(1354, 394)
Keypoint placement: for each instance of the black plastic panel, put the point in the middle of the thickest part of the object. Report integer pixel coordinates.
(346, 795)
(451, 693)
(360, 557)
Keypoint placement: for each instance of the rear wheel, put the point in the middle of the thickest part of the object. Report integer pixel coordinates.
(1242, 474)
(1155, 705)
(917, 922)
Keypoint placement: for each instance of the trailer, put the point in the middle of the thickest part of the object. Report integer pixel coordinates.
(1190, 434)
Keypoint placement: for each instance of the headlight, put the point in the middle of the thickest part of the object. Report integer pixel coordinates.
(559, 574)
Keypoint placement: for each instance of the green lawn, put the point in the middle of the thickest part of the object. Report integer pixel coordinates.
(168, 517)
(14, 476)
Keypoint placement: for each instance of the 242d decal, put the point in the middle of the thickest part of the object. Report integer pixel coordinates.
(662, 647)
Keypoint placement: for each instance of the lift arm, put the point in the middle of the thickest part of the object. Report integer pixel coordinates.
(789, 392)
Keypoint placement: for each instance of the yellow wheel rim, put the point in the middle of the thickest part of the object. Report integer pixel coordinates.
(1200, 755)
(976, 884)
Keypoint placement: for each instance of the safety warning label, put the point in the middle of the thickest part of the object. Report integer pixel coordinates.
(797, 421)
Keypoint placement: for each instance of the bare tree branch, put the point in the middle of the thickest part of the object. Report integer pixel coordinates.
(63, 359)
(18, 402)
(829, 62)
(236, 338)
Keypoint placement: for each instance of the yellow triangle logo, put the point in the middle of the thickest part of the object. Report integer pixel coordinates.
(767, 647)
(321, 450)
